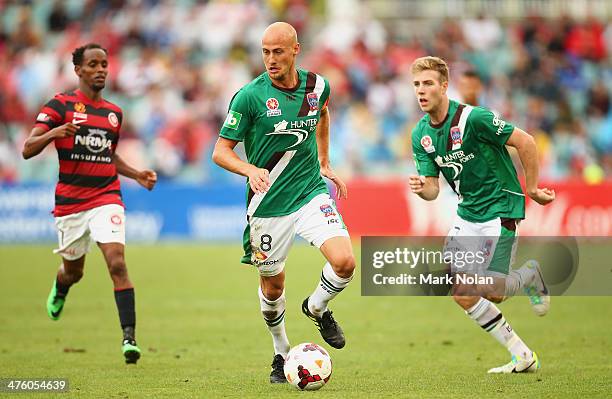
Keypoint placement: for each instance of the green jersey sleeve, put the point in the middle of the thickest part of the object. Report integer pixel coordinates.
(239, 120)
(489, 127)
(424, 164)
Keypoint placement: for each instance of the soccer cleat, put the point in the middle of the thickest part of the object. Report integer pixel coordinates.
(131, 352)
(329, 329)
(55, 304)
(518, 365)
(537, 291)
(277, 376)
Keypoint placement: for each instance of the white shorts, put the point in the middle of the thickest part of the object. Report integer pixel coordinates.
(75, 232)
(487, 248)
(272, 238)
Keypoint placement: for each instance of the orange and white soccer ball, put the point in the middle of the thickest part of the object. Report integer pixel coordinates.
(308, 367)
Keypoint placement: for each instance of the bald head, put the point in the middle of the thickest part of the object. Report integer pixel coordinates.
(279, 47)
(280, 33)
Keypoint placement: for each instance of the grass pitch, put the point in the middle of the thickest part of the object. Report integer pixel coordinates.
(202, 336)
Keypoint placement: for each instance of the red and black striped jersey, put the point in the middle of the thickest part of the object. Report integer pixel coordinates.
(87, 174)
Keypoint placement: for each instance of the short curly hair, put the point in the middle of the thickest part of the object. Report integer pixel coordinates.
(77, 54)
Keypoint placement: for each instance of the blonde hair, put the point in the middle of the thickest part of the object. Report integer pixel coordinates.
(433, 64)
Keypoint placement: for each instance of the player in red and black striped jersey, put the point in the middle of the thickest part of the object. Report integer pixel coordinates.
(88, 207)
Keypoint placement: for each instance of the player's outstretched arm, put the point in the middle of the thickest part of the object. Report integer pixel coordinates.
(426, 187)
(528, 153)
(224, 156)
(323, 151)
(39, 138)
(146, 178)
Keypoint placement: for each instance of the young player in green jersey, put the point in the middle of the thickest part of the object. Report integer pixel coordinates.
(467, 145)
(283, 120)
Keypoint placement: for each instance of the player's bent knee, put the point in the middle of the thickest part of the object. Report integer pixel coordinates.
(72, 269)
(117, 267)
(344, 265)
(273, 287)
(74, 275)
(272, 293)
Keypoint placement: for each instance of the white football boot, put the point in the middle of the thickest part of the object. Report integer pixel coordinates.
(518, 365)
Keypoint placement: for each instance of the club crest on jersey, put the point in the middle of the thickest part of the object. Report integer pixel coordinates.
(455, 134)
(327, 210)
(79, 107)
(272, 105)
(427, 144)
(113, 120)
(313, 101)
(116, 220)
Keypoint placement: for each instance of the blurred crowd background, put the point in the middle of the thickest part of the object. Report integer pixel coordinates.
(175, 64)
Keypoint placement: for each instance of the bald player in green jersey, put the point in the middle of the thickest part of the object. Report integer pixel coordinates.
(283, 120)
(467, 145)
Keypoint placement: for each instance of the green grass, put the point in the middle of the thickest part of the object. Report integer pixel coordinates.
(202, 335)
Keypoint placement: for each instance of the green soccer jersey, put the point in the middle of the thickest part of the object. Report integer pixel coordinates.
(278, 127)
(468, 147)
